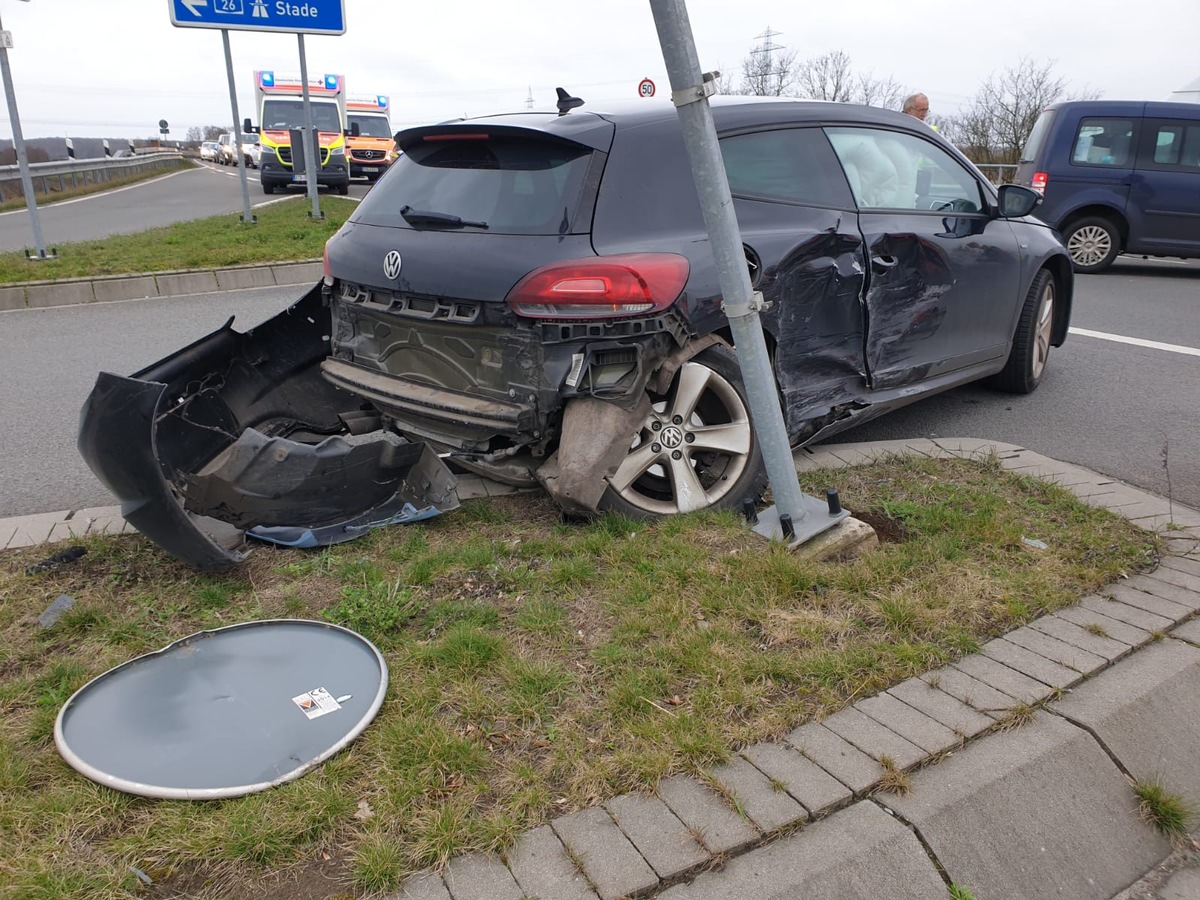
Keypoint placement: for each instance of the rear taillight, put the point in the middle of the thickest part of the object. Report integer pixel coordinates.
(1039, 182)
(325, 260)
(628, 284)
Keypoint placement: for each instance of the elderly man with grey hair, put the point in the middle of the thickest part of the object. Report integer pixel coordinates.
(916, 105)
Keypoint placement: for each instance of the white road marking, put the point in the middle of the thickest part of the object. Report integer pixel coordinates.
(1136, 342)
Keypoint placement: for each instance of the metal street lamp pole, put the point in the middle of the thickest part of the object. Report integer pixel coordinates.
(19, 146)
(794, 517)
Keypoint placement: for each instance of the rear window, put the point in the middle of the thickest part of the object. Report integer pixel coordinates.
(1177, 144)
(1103, 142)
(514, 184)
(1037, 137)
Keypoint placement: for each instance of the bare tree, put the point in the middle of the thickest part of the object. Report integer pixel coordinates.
(770, 69)
(212, 132)
(826, 77)
(1005, 107)
(195, 134)
(885, 93)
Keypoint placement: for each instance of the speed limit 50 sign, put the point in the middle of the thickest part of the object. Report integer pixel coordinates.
(645, 88)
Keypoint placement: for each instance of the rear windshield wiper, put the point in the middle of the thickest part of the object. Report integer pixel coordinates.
(429, 217)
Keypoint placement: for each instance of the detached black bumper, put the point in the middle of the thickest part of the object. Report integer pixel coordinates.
(239, 434)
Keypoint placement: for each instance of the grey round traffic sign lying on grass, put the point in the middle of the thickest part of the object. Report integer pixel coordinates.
(226, 712)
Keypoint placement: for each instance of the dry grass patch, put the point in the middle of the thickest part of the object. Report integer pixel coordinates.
(536, 667)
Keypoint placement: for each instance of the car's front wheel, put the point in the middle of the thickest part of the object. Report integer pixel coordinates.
(1026, 364)
(696, 449)
(1093, 243)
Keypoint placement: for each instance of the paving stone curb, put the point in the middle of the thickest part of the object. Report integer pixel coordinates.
(74, 291)
(638, 845)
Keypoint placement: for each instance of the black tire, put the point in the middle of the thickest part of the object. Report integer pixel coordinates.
(1093, 243)
(704, 419)
(268, 187)
(1026, 364)
(343, 188)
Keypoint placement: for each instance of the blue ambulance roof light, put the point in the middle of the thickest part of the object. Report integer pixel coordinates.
(268, 79)
(331, 82)
(382, 100)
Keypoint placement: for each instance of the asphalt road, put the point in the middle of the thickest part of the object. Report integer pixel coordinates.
(207, 190)
(1128, 411)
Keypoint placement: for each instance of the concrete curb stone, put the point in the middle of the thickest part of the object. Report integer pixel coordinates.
(1021, 688)
(963, 721)
(1189, 632)
(970, 691)
(426, 886)
(110, 288)
(1177, 587)
(706, 815)
(995, 815)
(1032, 664)
(1113, 609)
(1055, 650)
(611, 863)
(1147, 713)
(1151, 603)
(859, 854)
(914, 726)
(807, 783)
(769, 809)
(873, 739)
(478, 876)
(1063, 629)
(1114, 629)
(541, 867)
(657, 833)
(837, 756)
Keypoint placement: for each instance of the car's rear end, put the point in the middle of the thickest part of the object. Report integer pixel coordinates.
(468, 301)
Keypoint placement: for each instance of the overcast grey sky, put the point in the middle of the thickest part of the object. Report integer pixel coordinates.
(113, 68)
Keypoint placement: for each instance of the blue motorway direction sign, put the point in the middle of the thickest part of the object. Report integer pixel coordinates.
(293, 16)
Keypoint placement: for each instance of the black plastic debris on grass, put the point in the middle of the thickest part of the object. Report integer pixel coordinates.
(57, 560)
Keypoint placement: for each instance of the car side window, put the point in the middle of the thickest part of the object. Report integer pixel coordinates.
(1103, 142)
(792, 165)
(895, 170)
(1177, 145)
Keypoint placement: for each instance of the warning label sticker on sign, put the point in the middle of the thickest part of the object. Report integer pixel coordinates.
(316, 703)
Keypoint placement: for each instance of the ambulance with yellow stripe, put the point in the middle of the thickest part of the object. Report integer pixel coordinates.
(373, 149)
(280, 104)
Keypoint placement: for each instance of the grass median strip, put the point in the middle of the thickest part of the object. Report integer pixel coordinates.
(536, 667)
(284, 232)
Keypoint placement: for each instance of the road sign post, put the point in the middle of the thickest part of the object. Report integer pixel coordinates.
(248, 218)
(298, 17)
(19, 147)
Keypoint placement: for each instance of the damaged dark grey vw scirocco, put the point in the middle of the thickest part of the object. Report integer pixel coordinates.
(532, 297)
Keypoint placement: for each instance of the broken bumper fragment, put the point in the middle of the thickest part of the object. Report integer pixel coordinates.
(239, 434)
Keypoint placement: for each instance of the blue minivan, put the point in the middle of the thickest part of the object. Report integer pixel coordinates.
(1117, 176)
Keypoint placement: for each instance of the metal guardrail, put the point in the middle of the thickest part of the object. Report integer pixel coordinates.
(61, 175)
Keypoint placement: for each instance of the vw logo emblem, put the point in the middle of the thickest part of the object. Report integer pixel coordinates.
(671, 437)
(391, 265)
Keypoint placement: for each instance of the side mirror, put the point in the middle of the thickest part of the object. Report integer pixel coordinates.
(353, 130)
(248, 128)
(1017, 200)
